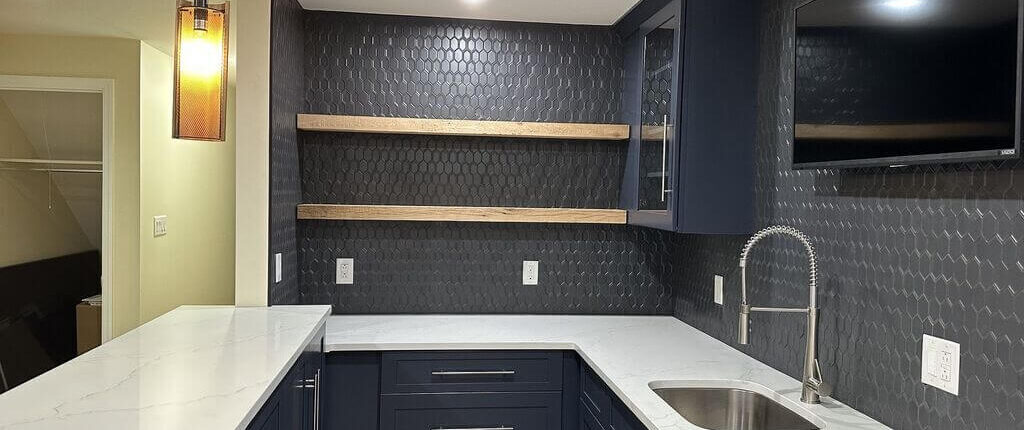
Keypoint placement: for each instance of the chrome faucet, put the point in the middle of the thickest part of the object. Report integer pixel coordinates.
(813, 386)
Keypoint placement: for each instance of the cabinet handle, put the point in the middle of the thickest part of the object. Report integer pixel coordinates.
(474, 428)
(472, 373)
(664, 154)
(316, 400)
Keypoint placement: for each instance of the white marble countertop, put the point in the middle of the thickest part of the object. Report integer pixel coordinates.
(631, 354)
(196, 367)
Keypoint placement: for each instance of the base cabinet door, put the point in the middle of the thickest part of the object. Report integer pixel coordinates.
(312, 403)
(587, 419)
(478, 411)
(296, 402)
(269, 418)
(623, 419)
(283, 410)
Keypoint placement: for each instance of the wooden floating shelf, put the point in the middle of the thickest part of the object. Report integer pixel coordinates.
(460, 214)
(903, 131)
(457, 127)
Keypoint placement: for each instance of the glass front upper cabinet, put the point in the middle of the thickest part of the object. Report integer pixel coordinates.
(690, 100)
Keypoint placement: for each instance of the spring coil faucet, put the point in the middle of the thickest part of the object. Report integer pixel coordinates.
(813, 386)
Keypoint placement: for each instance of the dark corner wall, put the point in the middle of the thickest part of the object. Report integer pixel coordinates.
(287, 65)
(902, 252)
(446, 68)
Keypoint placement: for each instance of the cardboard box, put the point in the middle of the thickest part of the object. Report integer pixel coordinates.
(88, 333)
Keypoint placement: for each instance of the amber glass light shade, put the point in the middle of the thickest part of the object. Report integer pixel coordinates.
(200, 74)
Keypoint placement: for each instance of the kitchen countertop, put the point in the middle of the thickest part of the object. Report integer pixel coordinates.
(631, 354)
(196, 367)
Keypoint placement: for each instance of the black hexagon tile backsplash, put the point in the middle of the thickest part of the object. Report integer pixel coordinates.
(445, 68)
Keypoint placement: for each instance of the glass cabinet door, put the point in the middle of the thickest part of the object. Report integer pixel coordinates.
(657, 132)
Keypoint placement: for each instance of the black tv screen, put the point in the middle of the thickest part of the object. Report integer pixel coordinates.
(897, 82)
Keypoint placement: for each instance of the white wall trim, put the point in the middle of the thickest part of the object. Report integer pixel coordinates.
(105, 87)
(252, 152)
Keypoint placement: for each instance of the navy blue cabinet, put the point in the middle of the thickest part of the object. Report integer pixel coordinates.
(587, 419)
(600, 408)
(296, 402)
(690, 96)
(534, 411)
(471, 371)
(623, 419)
(425, 390)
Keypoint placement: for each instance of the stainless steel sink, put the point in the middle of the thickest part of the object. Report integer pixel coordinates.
(732, 409)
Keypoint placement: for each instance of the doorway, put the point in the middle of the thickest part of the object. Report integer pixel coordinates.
(55, 221)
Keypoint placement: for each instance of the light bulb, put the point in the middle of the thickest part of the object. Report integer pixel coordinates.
(902, 4)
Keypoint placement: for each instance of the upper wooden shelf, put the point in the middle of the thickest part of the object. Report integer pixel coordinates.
(460, 214)
(457, 127)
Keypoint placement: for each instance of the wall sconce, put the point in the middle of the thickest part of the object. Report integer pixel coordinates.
(200, 71)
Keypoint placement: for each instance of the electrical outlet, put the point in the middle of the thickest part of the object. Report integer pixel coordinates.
(277, 267)
(719, 289)
(531, 272)
(159, 225)
(344, 271)
(940, 364)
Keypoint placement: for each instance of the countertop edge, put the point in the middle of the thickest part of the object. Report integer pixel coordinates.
(274, 382)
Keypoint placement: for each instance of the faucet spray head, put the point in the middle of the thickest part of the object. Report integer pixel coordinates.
(744, 325)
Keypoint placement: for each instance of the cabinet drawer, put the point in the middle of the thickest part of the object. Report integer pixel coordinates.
(595, 395)
(476, 371)
(492, 411)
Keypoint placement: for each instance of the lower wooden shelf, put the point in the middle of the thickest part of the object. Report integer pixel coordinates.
(460, 214)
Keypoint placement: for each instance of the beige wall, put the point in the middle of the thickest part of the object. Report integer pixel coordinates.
(191, 182)
(35, 220)
(252, 160)
(116, 59)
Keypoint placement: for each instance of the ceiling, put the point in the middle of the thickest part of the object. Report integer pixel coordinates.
(151, 21)
(592, 12)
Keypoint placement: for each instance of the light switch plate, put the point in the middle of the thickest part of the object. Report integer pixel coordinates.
(531, 272)
(159, 225)
(940, 364)
(345, 271)
(719, 289)
(277, 267)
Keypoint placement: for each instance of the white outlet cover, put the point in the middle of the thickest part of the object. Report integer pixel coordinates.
(277, 267)
(940, 364)
(719, 289)
(345, 271)
(531, 272)
(159, 225)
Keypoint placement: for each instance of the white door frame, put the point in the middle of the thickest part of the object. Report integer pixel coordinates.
(104, 87)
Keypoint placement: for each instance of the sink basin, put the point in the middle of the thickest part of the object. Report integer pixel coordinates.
(732, 409)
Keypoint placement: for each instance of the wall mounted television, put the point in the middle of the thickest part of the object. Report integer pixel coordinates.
(899, 82)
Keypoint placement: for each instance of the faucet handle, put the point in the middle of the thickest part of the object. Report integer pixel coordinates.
(818, 384)
(823, 389)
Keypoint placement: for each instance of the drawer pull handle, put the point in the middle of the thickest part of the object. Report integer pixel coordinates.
(473, 428)
(473, 373)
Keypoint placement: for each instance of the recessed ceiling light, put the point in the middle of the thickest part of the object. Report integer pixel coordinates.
(473, 2)
(902, 4)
